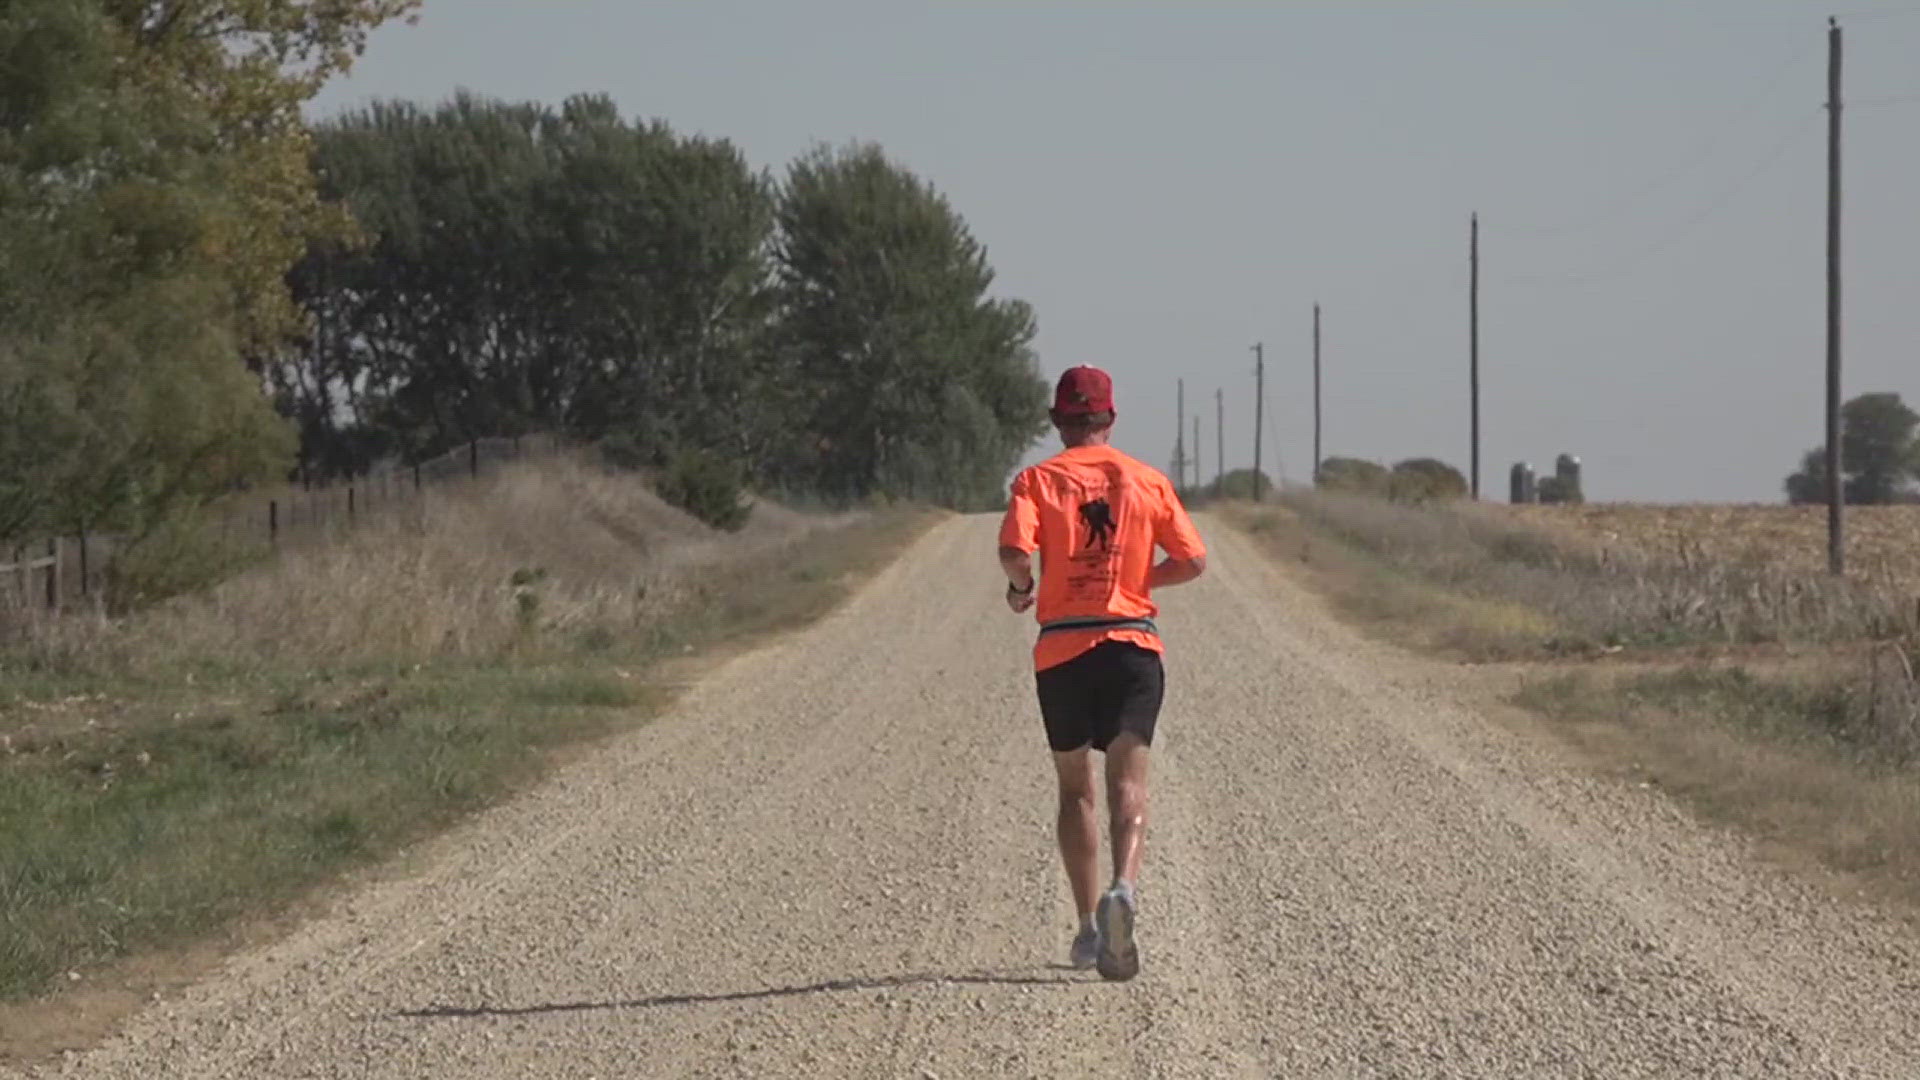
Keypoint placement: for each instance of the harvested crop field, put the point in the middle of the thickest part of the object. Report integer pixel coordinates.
(1883, 542)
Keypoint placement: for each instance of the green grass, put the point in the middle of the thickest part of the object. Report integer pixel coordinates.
(1833, 712)
(1796, 760)
(159, 825)
(142, 808)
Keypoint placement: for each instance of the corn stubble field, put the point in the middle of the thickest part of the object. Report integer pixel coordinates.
(1883, 542)
(1568, 580)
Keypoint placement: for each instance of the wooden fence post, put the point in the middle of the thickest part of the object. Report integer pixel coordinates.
(85, 585)
(473, 458)
(416, 476)
(53, 573)
(273, 521)
(349, 504)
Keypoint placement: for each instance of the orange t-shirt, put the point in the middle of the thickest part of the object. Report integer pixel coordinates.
(1095, 515)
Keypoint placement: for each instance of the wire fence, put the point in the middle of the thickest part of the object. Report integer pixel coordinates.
(61, 570)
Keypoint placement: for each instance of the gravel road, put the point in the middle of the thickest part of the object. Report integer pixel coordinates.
(834, 858)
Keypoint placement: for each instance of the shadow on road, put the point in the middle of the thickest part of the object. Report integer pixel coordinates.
(880, 982)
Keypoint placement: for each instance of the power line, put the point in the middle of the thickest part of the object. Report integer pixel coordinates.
(1662, 179)
(1875, 16)
(1897, 99)
(1680, 229)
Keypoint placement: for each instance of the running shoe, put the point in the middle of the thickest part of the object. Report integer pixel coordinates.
(1118, 957)
(1086, 949)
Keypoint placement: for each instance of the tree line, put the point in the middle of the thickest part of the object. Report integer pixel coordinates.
(200, 291)
(535, 268)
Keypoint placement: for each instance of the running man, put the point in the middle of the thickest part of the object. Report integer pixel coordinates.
(1095, 516)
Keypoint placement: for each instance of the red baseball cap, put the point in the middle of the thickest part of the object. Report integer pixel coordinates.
(1083, 391)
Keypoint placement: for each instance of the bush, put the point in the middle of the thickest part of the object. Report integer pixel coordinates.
(1352, 475)
(1421, 480)
(184, 553)
(622, 451)
(1240, 484)
(706, 485)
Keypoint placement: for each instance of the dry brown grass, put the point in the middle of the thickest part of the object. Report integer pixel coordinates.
(548, 554)
(1389, 598)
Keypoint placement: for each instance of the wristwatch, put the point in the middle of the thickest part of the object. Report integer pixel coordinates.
(1028, 591)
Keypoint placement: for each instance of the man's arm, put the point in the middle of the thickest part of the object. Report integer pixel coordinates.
(1186, 552)
(1174, 571)
(1019, 536)
(1018, 566)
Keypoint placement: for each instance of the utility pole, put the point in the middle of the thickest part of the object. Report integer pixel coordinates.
(1220, 442)
(1316, 394)
(1196, 449)
(1836, 496)
(1259, 410)
(1180, 436)
(1473, 343)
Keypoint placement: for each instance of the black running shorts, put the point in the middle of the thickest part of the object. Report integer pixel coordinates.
(1113, 687)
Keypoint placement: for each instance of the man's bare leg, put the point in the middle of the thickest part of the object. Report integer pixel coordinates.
(1079, 832)
(1079, 828)
(1127, 804)
(1119, 957)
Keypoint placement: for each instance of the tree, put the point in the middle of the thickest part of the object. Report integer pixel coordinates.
(909, 380)
(1876, 444)
(153, 190)
(532, 268)
(429, 333)
(240, 71)
(1878, 453)
(1809, 485)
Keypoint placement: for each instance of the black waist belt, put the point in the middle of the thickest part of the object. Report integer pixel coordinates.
(1063, 625)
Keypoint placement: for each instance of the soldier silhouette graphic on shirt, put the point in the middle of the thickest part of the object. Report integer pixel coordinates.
(1098, 518)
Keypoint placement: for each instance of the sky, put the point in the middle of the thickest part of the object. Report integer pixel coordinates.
(1171, 183)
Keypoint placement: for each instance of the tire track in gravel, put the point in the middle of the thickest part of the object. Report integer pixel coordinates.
(834, 856)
